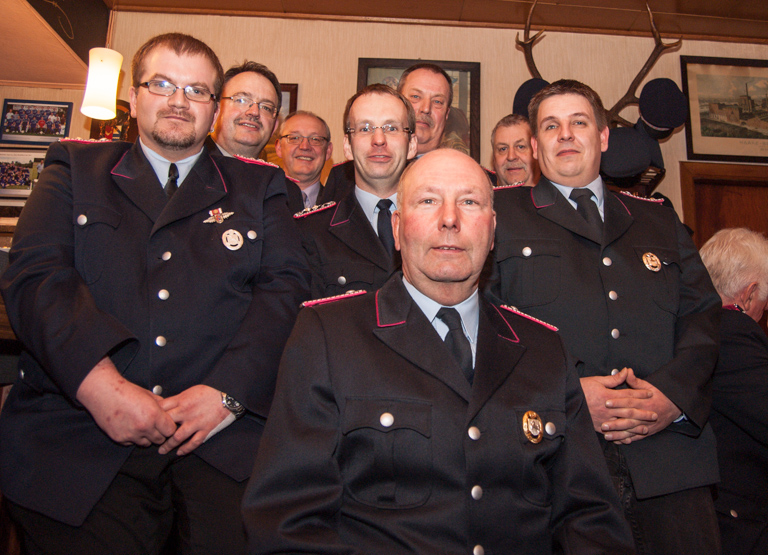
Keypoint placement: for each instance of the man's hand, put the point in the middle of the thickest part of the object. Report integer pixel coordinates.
(666, 411)
(622, 420)
(197, 410)
(129, 414)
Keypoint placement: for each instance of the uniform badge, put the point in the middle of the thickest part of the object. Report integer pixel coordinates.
(652, 262)
(532, 427)
(217, 216)
(232, 239)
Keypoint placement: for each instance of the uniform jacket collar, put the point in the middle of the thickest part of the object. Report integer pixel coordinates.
(402, 326)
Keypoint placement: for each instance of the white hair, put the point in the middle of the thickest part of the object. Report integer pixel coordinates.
(736, 257)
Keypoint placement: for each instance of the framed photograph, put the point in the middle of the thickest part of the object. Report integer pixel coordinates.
(727, 109)
(290, 98)
(121, 128)
(19, 169)
(34, 122)
(462, 131)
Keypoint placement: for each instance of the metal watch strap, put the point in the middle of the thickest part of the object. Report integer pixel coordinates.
(231, 404)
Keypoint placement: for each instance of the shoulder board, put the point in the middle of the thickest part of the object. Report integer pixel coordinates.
(258, 161)
(314, 209)
(638, 197)
(84, 141)
(513, 186)
(528, 316)
(326, 300)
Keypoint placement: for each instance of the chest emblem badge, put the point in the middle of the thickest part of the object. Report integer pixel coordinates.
(217, 216)
(652, 262)
(232, 239)
(532, 427)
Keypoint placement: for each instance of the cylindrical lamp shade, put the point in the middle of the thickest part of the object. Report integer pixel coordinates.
(101, 88)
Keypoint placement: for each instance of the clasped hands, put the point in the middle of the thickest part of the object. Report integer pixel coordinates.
(628, 414)
(132, 415)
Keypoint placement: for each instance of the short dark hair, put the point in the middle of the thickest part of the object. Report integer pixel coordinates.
(180, 44)
(509, 121)
(261, 69)
(378, 88)
(567, 86)
(434, 68)
(305, 113)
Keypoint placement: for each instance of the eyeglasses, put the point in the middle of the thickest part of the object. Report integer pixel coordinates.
(166, 88)
(245, 102)
(366, 129)
(314, 140)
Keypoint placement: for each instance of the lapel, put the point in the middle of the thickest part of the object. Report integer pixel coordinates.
(498, 351)
(552, 205)
(135, 177)
(402, 326)
(617, 217)
(352, 228)
(203, 186)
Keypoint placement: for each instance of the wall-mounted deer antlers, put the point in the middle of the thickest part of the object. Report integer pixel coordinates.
(630, 97)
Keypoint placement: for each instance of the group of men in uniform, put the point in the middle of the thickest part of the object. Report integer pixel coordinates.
(420, 409)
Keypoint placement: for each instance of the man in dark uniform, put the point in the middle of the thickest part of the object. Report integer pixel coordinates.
(423, 419)
(350, 245)
(624, 283)
(513, 161)
(153, 287)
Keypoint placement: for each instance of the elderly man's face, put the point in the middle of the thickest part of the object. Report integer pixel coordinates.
(513, 159)
(303, 160)
(428, 93)
(444, 225)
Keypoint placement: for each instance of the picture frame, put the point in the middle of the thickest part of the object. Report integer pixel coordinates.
(19, 170)
(727, 109)
(120, 128)
(463, 126)
(34, 122)
(290, 98)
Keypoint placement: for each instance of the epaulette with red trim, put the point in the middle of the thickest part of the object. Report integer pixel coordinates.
(514, 310)
(513, 186)
(638, 197)
(314, 209)
(326, 300)
(83, 141)
(255, 161)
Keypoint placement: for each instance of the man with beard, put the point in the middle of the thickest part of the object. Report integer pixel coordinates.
(350, 245)
(513, 159)
(429, 90)
(139, 283)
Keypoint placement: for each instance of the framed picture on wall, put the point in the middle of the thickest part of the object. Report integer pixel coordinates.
(19, 170)
(462, 131)
(34, 122)
(727, 108)
(121, 128)
(290, 101)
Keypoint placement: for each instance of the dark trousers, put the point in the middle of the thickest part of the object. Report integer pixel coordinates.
(679, 523)
(156, 504)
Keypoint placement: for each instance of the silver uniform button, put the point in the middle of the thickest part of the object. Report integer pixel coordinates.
(614, 371)
(21, 374)
(157, 390)
(734, 514)
(82, 219)
(386, 419)
(550, 428)
(160, 341)
(477, 493)
(527, 251)
(607, 261)
(166, 256)
(474, 433)
(252, 235)
(478, 550)
(342, 280)
(615, 333)
(613, 295)
(163, 294)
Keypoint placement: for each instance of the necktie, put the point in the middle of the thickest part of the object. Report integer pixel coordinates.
(305, 199)
(384, 226)
(456, 341)
(587, 209)
(172, 184)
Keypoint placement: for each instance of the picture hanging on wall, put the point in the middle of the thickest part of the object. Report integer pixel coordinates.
(289, 103)
(462, 131)
(728, 109)
(19, 170)
(121, 128)
(34, 122)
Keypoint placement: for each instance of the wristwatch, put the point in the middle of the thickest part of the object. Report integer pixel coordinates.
(232, 405)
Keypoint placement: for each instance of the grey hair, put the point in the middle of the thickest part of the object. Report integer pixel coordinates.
(736, 257)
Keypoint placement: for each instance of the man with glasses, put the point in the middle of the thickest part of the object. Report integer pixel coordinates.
(350, 245)
(304, 144)
(153, 286)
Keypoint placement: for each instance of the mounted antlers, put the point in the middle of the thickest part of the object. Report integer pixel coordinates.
(630, 97)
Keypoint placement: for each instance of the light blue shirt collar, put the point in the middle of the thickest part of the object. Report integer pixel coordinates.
(596, 187)
(368, 203)
(161, 165)
(312, 191)
(469, 310)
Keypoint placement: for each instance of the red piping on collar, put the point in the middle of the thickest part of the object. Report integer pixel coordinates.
(516, 339)
(378, 316)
